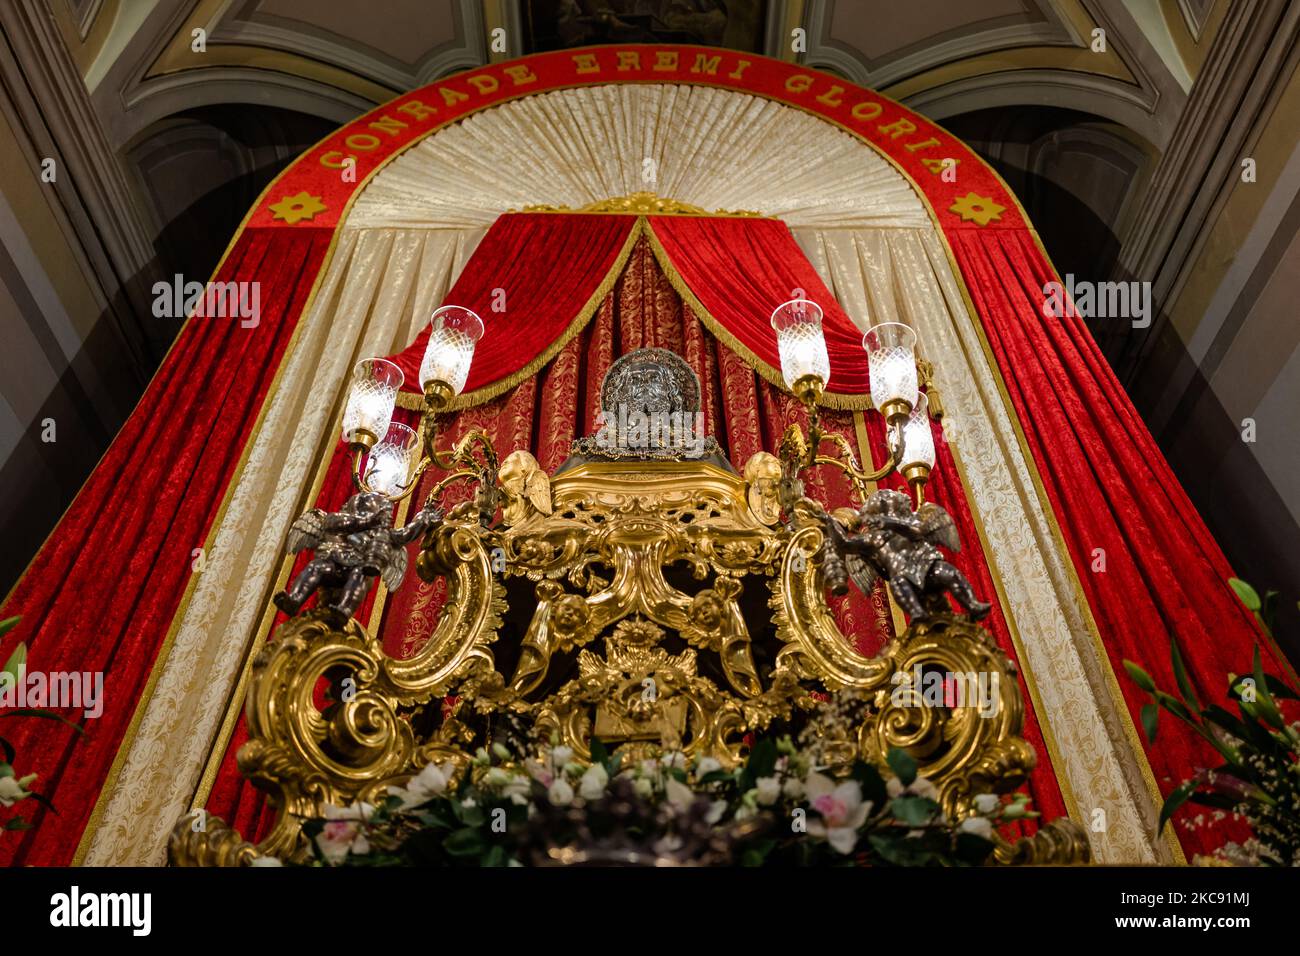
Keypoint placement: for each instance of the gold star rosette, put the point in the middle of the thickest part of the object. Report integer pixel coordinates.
(978, 209)
(292, 209)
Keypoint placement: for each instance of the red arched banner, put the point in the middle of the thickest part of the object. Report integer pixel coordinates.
(316, 190)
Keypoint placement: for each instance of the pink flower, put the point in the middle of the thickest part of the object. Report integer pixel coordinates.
(340, 831)
(833, 809)
(841, 809)
(338, 838)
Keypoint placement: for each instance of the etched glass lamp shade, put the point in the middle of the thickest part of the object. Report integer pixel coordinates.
(370, 403)
(891, 363)
(392, 463)
(456, 330)
(917, 458)
(805, 366)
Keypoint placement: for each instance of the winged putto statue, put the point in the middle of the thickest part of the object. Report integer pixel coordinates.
(525, 487)
(353, 546)
(887, 539)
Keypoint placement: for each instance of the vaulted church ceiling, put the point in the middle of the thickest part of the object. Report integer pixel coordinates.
(334, 58)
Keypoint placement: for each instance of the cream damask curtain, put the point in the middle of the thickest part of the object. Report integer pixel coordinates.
(402, 246)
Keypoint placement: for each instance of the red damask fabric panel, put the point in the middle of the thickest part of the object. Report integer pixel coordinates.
(103, 590)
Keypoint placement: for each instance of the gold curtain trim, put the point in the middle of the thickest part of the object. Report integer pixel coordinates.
(415, 403)
(837, 400)
(644, 204)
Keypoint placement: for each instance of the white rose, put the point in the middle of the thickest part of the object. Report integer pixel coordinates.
(769, 790)
(706, 766)
(980, 826)
(922, 787)
(517, 788)
(592, 784)
(560, 794)
(643, 787)
(793, 788)
(266, 861)
(986, 803)
(432, 780)
(674, 761)
(10, 791)
(679, 795)
(496, 777)
(561, 755)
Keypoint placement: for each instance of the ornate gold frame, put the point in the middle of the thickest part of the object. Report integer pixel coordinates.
(635, 570)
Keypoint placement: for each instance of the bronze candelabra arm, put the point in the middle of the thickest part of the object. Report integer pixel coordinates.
(483, 467)
(801, 455)
(388, 457)
(360, 480)
(848, 463)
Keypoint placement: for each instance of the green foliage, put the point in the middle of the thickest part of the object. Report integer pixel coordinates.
(1260, 775)
(903, 765)
(656, 804)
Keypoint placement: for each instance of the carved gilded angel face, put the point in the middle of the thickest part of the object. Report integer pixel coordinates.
(763, 473)
(569, 615)
(514, 471)
(706, 612)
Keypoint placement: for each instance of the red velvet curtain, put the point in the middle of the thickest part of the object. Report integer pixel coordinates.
(1147, 563)
(545, 413)
(739, 270)
(531, 276)
(102, 592)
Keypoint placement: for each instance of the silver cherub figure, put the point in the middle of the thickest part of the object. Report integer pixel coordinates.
(353, 546)
(895, 543)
